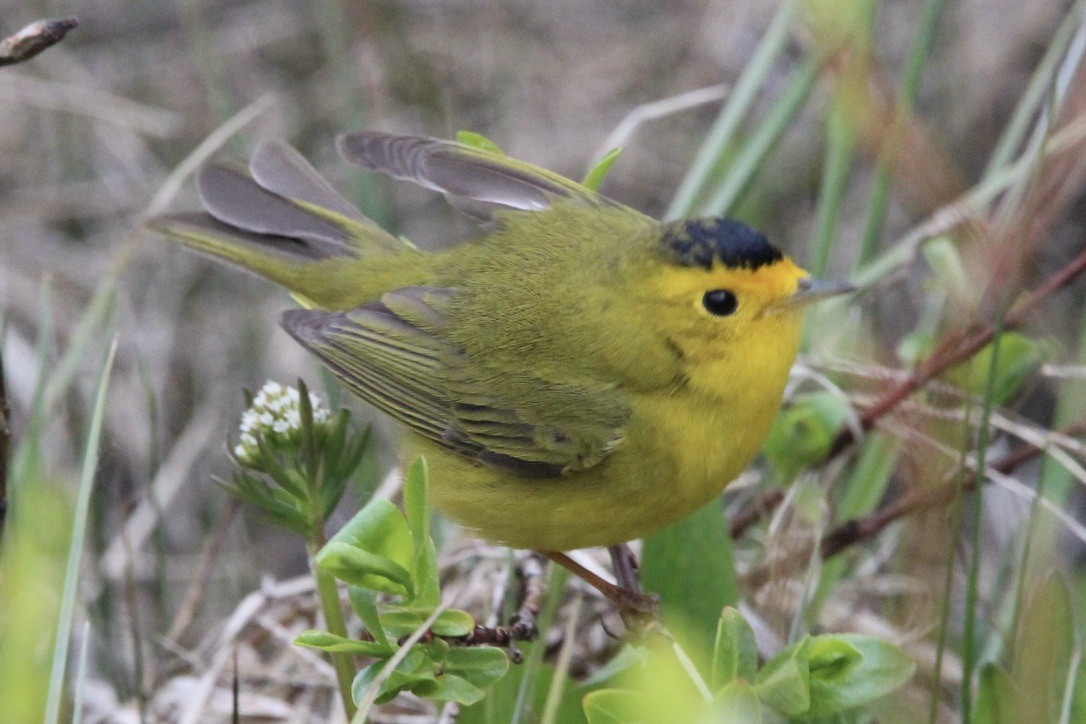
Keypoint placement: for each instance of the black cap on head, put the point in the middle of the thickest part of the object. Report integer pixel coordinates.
(700, 242)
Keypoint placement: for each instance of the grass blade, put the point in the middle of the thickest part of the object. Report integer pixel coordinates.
(723, 132)
(763, 140)
(75, 550)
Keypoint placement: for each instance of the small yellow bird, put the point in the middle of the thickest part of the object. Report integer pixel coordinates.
(580, 375)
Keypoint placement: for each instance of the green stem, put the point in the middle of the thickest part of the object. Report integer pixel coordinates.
(840, 140)
(765, 138)
(333, 620)
(969, 647)
(910, 85)
(746, 89)
(1039, 84)
(556, 589)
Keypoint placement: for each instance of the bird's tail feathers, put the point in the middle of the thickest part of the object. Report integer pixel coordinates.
(275, 218)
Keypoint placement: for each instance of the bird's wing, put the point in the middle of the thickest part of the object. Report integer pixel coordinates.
(284, 196)
(396, 355)
(476, 179)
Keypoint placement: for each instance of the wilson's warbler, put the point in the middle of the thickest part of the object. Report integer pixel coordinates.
(581, 375)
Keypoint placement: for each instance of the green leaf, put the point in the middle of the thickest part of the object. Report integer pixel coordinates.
(737, 703)
(477, 140)
(339, 645)
(803, 434)
(831, 658)
(1044, 647)
(616, 706)
(379, 529)
(479, 665)
(309, 443)
(414, 672)
(690, 566)
(996, 696)
(450, 687)
(453, 622)
(401, 622)
(276, 505)
(784, 683)
(364, 603)
(841, 681)
(735, 654)
(362, 568)
(1019, 359)
(269, 464)
(594, 178)
(944, 259)
(418, 522)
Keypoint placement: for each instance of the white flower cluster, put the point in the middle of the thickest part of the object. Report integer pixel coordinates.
(275, 415)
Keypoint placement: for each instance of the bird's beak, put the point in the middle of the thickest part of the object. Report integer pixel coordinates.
(810, 290)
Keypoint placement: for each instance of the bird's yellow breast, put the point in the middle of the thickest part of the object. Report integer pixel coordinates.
(680, 449)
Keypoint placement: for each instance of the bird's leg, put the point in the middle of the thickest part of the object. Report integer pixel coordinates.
(624, 563)
(631, 602)
(523, 624)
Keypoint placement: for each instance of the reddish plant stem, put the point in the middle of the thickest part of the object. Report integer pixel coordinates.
(856, 530)
(955, 349)
(761, 508)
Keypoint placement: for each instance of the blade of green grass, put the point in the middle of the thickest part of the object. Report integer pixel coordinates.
(80, 675)
(969, 643)
(690, 566)
(556, 589)
(1038, 87)
(75, 550)
(52, 387)
(723, 132)
(764, 138)
(561, 668)
(840, 142)
(26, 462)
(910, 86)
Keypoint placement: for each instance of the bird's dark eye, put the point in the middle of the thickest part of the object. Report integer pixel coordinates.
(720, 302)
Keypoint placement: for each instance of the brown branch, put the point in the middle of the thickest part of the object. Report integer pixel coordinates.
(955, 349)
(856, 530)
(532, 591)
(522, 627)
(758, 510)
(33, 39)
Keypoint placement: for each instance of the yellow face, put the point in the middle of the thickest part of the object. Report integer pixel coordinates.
(706, 312)
(733, 326)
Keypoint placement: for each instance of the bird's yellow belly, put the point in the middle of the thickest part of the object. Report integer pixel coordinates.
(676, 457)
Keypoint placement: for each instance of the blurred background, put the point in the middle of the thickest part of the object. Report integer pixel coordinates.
(101, 130)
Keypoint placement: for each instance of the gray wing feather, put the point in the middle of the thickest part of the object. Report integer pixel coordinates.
(233, 197)
(279, 168)
(466, 173)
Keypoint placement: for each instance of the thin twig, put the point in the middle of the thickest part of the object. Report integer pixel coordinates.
(658, 109)
(857, 530)
(34, 38)
(761, 508)
(531, 572)
(957, 348)
(186, 612)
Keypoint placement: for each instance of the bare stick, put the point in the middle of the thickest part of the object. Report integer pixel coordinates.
(856, 530)
(955, 349)
(33, 39)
